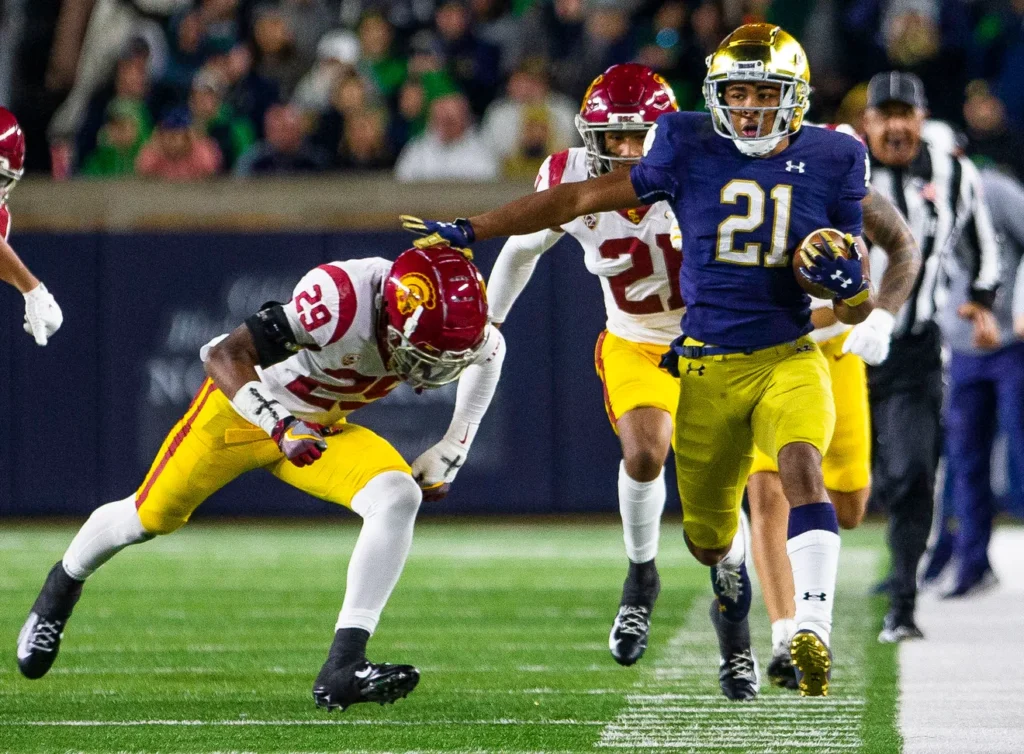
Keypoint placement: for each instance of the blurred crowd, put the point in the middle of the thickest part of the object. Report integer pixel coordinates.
(445, 89)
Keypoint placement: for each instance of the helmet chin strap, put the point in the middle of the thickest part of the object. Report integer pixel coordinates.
(759, 147)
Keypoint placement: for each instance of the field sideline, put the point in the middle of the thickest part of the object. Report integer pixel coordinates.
(208, 641)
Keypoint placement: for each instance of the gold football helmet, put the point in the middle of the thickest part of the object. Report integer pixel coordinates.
(759, 53)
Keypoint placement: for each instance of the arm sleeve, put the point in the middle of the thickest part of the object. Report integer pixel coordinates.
(656, 176)
(980, 235)
(476, 388)
(513, 269)
(322, 308)
(847, 214)
(1018, 291)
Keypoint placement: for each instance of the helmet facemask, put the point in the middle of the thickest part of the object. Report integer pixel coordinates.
(793, 103)
(423, 369)
(599, 161)
(8, 180)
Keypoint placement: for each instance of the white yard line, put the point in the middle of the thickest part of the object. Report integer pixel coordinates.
(962, 688)
(657, 718)
(286, 723)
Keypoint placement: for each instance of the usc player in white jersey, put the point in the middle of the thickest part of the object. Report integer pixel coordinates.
(846, 467)
(42, 315)
(633, 254)
(278, 394)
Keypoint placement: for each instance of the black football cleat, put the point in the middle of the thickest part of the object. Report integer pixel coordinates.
(738, 674)
(337, 688)
(899, 626)
(812, 661)
(39, 639)
(628, 638)
(780, 670)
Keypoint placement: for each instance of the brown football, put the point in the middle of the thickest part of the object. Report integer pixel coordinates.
(816, 240)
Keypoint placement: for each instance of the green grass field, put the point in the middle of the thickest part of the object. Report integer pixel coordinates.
(209, 640)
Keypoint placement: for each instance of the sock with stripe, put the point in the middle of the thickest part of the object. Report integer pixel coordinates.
(813, 548)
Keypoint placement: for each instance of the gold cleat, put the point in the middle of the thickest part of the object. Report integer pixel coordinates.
(812, 661)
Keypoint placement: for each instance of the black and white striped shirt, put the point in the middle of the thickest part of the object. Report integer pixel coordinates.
(940, 194)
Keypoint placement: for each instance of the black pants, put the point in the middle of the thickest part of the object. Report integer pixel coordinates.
(906, 406)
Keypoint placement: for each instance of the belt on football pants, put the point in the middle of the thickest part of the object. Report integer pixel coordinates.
(670, 360)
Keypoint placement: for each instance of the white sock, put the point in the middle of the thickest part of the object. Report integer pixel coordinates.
(641, 504)
(782, 631)
(738, 551)
(814, 555)
(388, 505)
(110, 529)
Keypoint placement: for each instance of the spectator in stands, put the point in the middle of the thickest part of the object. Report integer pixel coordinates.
(450, 149)
(177, 153)
(309, 20)
(379, 63)
(991, 140)
(276, 55)
(249, 94)
(495, 24)
(552, 125)
(211, 115)
(350, 95)
(284, 150)
(472, 63)
(210, 26)
(337, 56)
(120, 140)
(364, 144)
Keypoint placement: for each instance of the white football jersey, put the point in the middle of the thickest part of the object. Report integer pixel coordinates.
(631, 252)
(333, 314)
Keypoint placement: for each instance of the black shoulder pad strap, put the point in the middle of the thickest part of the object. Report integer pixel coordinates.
(272, 335)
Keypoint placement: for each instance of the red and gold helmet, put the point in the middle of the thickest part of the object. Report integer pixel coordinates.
(436, 306)
(12, 152)
(626, 97)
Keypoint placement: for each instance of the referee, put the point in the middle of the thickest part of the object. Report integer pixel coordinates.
(940, 195)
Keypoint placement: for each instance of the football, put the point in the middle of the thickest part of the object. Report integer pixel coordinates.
(821, 241)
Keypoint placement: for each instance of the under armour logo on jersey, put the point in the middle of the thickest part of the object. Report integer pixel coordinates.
(698, 369)
(797, 167)
(837, 275)
(820, 596)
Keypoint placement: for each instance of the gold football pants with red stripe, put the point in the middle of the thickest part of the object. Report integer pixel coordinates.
(213, 444)
(631, 376)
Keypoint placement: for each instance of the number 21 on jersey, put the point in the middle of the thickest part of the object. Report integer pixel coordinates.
(750, 254)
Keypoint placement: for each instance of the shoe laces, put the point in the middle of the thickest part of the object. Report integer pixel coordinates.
(728, 581)
(741, 666)
(45, 635)
(632, 620)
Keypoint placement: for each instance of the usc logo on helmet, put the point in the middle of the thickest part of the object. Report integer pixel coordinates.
(413, 291)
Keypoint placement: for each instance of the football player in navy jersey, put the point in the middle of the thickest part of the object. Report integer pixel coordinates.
(747, 185)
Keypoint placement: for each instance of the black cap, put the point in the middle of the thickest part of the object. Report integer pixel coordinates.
(896, 86)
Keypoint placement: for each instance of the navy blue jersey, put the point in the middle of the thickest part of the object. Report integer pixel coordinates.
(742, 217)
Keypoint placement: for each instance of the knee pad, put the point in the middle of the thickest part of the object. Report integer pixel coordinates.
(394, 492)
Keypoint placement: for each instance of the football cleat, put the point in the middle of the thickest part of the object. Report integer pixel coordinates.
(985, 582)
(628, 638)
(738, 673)
(337, 688)
(812, 663)
(39, 639)
(780, 669)
(899, 627)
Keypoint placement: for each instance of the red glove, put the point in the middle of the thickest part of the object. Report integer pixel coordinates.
(301, 443)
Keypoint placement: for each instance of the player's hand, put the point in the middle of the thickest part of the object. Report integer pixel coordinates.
(986, 328)
(300, 443)
(436, 468)
(841, 275)
(870, 339)
(42, 315)
(458, 235)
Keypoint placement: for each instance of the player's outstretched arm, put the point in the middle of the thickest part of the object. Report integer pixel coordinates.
(42, 315)
(435, 469)
(231, 364)
(543, 209)
(885, 227)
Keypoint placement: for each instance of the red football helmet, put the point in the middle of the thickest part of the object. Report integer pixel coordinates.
(436, 306)
(626, 97)
(12, 152)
